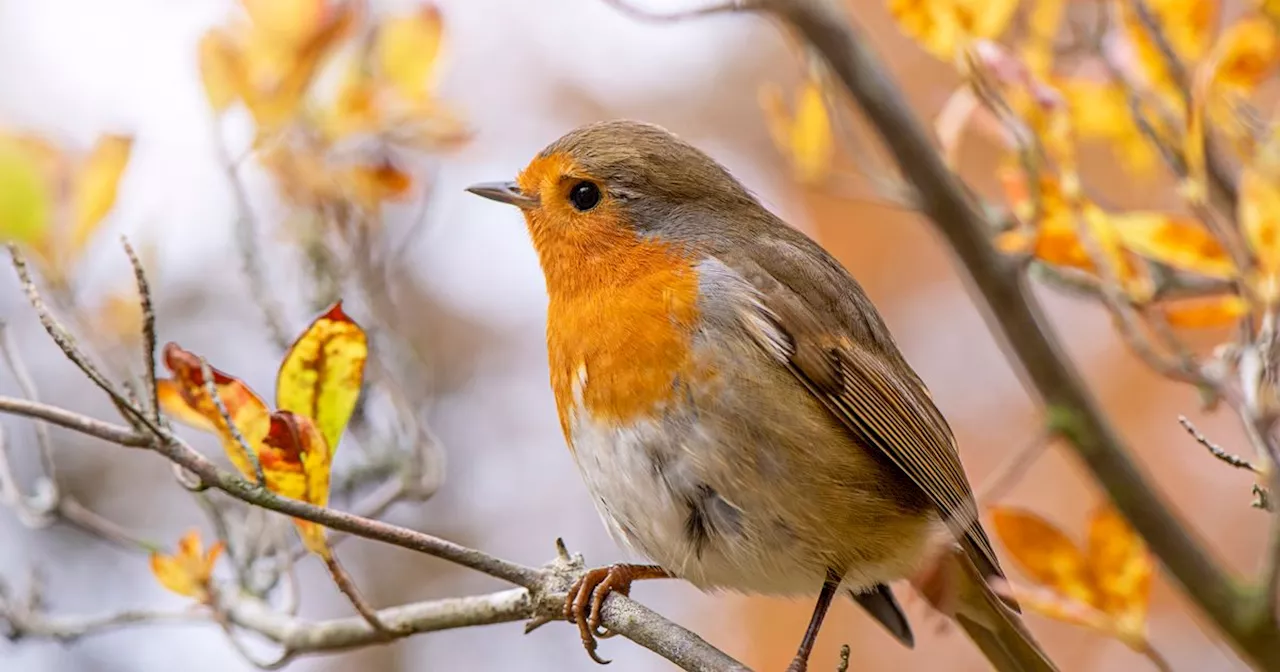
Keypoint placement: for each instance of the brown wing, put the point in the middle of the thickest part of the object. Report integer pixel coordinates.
(839, 347)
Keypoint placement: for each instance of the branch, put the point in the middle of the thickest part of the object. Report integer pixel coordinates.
(1214, 449)
(1016, 314)
(111, 433)
(546, 587)
(148, 330)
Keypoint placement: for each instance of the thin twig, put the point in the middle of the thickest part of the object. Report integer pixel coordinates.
(247, 239)
(148, 330)
(1214, 449)
(1157, 659)
(65, 342)
(728, 7)
(1013, 468)
(373, 506)
(34, 511)
(78, 515)
(348, 588)
(27, 385)
(251, 452)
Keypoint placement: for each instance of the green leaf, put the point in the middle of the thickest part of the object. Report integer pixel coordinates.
(24, 196)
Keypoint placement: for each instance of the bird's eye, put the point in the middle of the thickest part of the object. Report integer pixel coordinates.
(584, 196)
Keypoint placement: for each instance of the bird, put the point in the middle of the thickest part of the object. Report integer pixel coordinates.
(736, 405)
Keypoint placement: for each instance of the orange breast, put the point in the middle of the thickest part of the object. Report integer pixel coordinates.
(616, 351)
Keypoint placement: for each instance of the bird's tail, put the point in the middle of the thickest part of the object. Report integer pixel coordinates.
(995, 628)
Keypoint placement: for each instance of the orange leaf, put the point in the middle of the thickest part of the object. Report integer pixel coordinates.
(188, 571)
(406, 51)
(1055, 238)
(176, 407)
(247, 411)
(1218, 311)
(297, 464)
(1122, 572)
(1247, 54)
(382, 181)
(1180, 242)
(94, 192)
(321, 375)
(1045, 554)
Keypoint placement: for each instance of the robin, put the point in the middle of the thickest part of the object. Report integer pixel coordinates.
(734, 401)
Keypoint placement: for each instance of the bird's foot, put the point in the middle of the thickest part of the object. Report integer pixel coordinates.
(587, 596)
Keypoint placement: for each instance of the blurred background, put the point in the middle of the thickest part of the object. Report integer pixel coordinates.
(470, 305)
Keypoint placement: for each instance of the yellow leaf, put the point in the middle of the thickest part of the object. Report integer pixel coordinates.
(1122, 572)
(219, 69)
(355, 108)
(406, 51)
(1247, 54)
(807, 138)
(1052, 605)
(275, 76)
(25, 200)
(1101, 111)
(1042, 25)
(94, 192)
(188, 571)
(1187, 24)
(1259, 216)
(945, 27)
(297, 464)
(1180, 242)
(247, 411)
(288, 22)
(1045, 554)
(321, 375)
(1218, 311)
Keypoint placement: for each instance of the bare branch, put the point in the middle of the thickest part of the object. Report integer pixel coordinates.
(1013, 469)
(28, 387)
(1214, 449)
(73, 512)
(65, 342)
(148, 330)
(247, 239)
(84, 424)
(1015, 312)
(35, 510)
(348, 588)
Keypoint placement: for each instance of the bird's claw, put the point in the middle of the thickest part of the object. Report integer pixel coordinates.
(587, 596)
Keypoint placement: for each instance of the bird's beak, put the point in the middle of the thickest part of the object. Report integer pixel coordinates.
(504, 192)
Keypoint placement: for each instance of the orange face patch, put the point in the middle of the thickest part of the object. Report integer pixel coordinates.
(622, 307)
